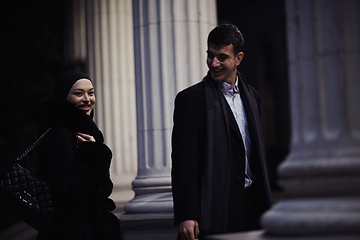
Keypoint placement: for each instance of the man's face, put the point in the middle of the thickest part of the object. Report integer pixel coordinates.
(222, 63)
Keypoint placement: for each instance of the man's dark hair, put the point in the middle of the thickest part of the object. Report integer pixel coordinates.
(226, 34)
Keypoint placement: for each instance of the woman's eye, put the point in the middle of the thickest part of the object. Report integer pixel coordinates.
(78, 94)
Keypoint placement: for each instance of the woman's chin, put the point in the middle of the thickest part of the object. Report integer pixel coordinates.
(86, 110)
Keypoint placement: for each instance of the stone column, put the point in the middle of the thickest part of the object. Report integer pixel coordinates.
(321, 175)
(170, 55)
(110, 63)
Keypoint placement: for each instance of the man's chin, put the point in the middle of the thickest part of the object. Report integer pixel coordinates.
(216, 78)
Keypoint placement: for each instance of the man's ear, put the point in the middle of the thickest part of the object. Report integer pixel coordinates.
(239, 58)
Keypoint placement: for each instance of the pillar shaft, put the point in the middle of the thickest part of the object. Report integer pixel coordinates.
(110, 63)
(321, 175)
(170, 53)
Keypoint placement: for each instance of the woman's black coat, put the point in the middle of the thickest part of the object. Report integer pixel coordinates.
(78, 175)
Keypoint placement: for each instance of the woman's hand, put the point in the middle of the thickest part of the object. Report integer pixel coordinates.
(82, 137)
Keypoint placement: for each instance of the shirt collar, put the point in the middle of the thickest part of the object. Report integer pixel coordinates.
(227, 88)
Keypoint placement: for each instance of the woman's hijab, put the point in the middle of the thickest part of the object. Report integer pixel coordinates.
(65, 82)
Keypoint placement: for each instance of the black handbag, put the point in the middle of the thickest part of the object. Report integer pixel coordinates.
(26, 195)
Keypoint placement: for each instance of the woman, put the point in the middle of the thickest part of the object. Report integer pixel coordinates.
(75, 162)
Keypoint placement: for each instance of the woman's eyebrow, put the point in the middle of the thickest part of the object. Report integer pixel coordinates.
(81, 89)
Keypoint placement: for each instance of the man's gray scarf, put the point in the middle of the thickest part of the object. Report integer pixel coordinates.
(216, 178)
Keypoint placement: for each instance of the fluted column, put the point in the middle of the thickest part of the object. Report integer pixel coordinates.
(170, 55)
(321, 175)
(110, 62)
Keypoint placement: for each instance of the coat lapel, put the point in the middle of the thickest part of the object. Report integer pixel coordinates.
(232, 122)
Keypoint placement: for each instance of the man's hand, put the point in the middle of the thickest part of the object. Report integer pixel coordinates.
(189, 230)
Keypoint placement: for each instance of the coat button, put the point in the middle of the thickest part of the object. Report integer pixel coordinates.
(239, 209)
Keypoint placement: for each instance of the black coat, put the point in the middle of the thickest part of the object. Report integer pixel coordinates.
(189, 139)
(78, 175)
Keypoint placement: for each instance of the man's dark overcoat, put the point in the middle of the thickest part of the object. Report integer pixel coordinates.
(193, 181)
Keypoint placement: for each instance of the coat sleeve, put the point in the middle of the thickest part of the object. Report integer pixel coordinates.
(185, 158)
(69, 182)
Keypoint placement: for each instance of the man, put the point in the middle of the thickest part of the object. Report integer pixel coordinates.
(219, 175)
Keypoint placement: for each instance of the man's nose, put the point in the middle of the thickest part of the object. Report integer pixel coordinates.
(215, 62)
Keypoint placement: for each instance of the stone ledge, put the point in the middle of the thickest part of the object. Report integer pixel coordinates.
(260, 235)
(148, 226)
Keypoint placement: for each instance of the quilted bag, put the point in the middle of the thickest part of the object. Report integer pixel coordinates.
(27, 196)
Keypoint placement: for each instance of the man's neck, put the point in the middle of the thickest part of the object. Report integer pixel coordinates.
(232, 83)
(231, 80)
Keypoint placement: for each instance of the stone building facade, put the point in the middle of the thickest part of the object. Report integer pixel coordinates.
(140, 53)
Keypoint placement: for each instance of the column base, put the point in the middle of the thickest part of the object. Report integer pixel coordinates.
(148, 226)
(314, 216)
(150, 203)
(121, 196)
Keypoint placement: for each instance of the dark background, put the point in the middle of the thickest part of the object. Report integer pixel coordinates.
(33, 56)
(263, 25)
(31, 60)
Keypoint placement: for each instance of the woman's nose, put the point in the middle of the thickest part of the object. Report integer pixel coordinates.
(86, 98)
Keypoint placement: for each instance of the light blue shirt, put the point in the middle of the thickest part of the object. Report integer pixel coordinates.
(233, 98)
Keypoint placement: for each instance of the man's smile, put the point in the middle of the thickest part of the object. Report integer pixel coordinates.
(217, 71)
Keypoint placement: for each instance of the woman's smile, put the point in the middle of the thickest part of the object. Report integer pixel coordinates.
(84, 107)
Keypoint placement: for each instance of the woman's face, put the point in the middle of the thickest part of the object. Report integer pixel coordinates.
(82, 95)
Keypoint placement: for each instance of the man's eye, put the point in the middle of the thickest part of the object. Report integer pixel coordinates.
(223, 58)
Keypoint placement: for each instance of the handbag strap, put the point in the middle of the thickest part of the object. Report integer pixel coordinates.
(32, 146)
